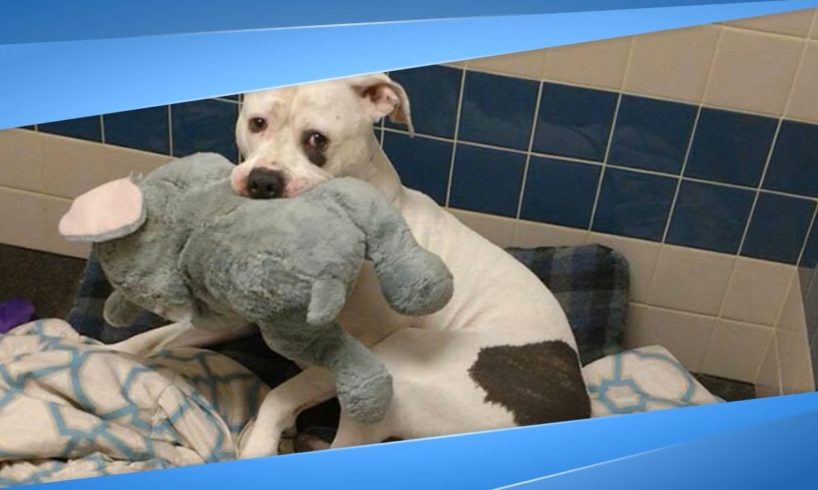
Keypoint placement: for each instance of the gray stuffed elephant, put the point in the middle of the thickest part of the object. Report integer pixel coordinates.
(181, 244)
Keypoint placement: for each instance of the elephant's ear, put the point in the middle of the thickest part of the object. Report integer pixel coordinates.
(109, 211)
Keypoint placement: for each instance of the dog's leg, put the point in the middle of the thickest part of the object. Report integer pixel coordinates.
(280, 408)
(351, 433)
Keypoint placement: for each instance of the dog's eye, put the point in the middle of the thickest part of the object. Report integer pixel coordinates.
(258, 124)
(316, 140)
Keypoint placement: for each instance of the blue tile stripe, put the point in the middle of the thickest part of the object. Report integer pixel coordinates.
(540, 149)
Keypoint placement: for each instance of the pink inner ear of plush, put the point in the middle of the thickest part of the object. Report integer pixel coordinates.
(103, 210)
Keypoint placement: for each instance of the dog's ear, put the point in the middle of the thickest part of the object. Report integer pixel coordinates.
(383, 97)
(109, 211)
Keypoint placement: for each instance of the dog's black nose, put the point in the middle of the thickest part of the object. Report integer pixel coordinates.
(264, 183)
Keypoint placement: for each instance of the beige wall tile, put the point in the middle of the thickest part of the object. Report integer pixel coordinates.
(691, 280)
(804, 101)
(768, 381)
(49, 171)
(641, 255)
(598, 64)
(792, 314)
(814, 34)
(683, 334)
(21, 163)
(496, 229)
(75, 166)
(53, 210)
(757, 291)
(533, 234)
(737, 350)
(23, 218)
(794, 356)
(753, 71)
(791, 23)
(527, 64)
(672, 64)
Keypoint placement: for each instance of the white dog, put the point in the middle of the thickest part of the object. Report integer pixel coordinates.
(500, 354)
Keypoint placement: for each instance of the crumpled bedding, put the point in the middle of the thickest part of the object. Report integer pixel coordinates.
(71, 407)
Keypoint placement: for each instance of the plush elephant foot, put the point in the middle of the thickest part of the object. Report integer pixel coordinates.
(119, 312)
(367, 400)
(418, 285)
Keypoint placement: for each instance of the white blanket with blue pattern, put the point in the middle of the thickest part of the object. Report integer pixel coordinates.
(71, 408)
(642, 380)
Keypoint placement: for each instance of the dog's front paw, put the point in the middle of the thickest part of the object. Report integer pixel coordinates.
(260, 440)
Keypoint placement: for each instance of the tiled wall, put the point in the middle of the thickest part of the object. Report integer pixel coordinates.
(692, 152)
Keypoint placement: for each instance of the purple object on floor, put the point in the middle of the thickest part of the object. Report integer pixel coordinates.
(14, 313)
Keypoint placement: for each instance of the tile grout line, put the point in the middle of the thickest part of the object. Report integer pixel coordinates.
(455, 136)
(695, 314)
(710, 69)
(680, 177)
(35, 193)
(779, 35)
(734, 266)
(801, 57)
(773, 145)
(778, 364)
(610, 139)
(806, 238)
(763, 357)
(780, 313)
(758, 188)
(102, 129)
(627, 70)
(170, 130)
(521, 196)
(787, 106)
(604, 164)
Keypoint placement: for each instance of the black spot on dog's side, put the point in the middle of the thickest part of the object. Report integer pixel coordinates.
(538, 383)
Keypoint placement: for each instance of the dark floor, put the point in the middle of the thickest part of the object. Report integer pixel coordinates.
(46, 279)
(727, 389)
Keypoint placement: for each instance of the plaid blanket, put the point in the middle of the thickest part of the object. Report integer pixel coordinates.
(591, 284)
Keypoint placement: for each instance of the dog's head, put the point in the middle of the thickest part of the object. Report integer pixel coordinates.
(294, 138)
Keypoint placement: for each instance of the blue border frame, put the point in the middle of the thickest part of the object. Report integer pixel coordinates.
(70, 59)
(55, 75)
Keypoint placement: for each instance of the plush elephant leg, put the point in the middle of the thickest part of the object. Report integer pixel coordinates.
(119, 312)
(363, 384)
(413, 280)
